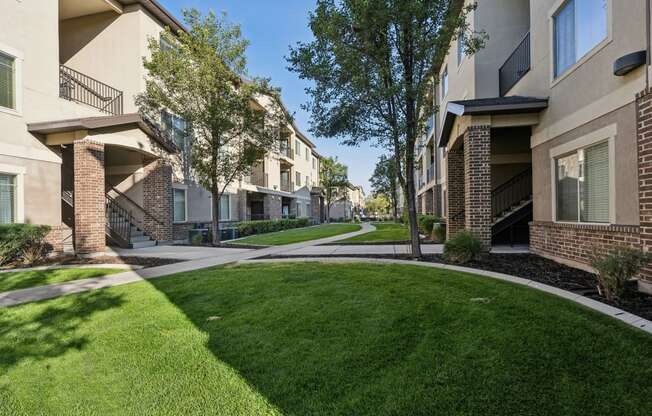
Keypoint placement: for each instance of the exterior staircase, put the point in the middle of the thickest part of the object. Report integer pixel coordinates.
(122, 229)
(511, 202)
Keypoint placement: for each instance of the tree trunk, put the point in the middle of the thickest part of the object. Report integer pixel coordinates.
(412, 212)
(216, 216)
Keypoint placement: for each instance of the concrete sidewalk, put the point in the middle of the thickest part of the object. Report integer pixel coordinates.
(215, 257)
(362, 249)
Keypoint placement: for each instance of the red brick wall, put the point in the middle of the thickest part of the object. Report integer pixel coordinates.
(55, 239)
(90, 218)
(477, 182)
(157, 200)
(455, 191)
(644, 143)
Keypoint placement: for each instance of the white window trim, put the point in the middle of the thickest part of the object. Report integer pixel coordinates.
(18, 79)
(184, 188)
(608, 134)
(19, 173)
(587, 56)
(230, 218)
(441, 83)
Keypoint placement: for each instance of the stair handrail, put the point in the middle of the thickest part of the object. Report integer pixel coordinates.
(106, 98)
(138, 207)
(510, 193)
(118, 221)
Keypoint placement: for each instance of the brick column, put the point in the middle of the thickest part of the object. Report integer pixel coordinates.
(477, 182)
(272, 207)
(429, 201)
(455, 192)
(157, 200)
(89, 196)
(644, 143)
(437, 200)
(315, 207)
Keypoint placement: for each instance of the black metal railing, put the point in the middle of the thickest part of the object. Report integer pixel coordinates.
(118, 222)
(80, 88)
(511, 193)
(147, 215)
(515, 67)
(287, 186)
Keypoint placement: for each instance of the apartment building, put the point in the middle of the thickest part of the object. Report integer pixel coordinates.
(542, 136)
(76, 155)
(350, 203)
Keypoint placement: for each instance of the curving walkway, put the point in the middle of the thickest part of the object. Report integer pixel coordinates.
(208, 257)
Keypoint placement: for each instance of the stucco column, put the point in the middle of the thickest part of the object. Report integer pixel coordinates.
(315, 207)
(157, 200)
(477, 182)
(429, 201)
(89, 196)
(455, 192)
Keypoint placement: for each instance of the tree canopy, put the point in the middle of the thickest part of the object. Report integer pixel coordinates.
(334, 180)
(384, 181)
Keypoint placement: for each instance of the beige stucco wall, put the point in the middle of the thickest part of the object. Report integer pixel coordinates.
(625, 193)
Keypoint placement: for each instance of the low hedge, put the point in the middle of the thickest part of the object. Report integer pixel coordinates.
(427, 222)
(247, 228)
(22, 243)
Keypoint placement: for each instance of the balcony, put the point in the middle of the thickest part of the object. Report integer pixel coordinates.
(286, 151)
(515, 67)
(287, 186)
(430, 174)
(80, 88)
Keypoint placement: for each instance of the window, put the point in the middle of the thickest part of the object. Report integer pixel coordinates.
(583, 185)
(7, 199)
(297, 147)
(176, 128)
(225, 207)
(460, 49)
(314, 163)
(180, 205)
(307, 155)
(7, 81)
(579, 26)
(444, 84)
(298, 179)
(307, 180)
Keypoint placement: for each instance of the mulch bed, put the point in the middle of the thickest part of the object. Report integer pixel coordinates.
(74, 260)
(539, 269)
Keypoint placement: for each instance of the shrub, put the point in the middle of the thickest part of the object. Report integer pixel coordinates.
(197, 240)
(246, 228)
(462, 248)
(617, 267)
(438, 232)
(22, 242)
(426, 222)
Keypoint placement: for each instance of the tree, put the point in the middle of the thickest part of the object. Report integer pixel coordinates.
(377, 204)
(373, 66)
(199, 76)
(384, 181)
(334, 179)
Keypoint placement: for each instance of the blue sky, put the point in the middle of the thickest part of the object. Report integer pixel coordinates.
(272, 28)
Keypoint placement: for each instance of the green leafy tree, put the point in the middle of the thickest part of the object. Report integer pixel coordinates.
(377, 204)
(384, 181)
(199, 76)
(334, 180)
(372, 64)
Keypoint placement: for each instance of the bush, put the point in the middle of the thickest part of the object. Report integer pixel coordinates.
(22, 242)
(617, 267)
(247, 228)
(438, 232)
(426, 222)
(462, 248)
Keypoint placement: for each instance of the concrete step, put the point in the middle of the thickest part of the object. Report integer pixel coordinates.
(139, 238)
(144, 244)
(135, 232)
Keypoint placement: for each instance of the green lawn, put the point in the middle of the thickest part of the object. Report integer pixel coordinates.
(317, 339)
(385, 232)
(298, 235)
(25, 279)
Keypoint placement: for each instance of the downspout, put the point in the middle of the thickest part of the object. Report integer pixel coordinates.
(647, 43)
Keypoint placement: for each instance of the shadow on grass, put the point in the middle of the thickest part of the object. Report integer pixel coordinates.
(49, 329)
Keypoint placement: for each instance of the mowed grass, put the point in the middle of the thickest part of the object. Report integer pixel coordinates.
(320, 339)
(32, 278)
(385, 232)
(298, 235)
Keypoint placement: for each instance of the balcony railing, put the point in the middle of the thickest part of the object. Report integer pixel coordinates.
(286, 151)
(287, 186)
(515, 67)
(80, 88)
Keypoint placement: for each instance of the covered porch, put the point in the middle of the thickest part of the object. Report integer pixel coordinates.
(116, 181)
(489, 168)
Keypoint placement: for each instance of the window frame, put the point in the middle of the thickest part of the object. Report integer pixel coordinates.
(185, 201)
(18, 172)
(297, 147)
(461, 54)
(18, 59)
(607, 134)
(444, 83)
(552, 13)
(229, 218)
(297, 179)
